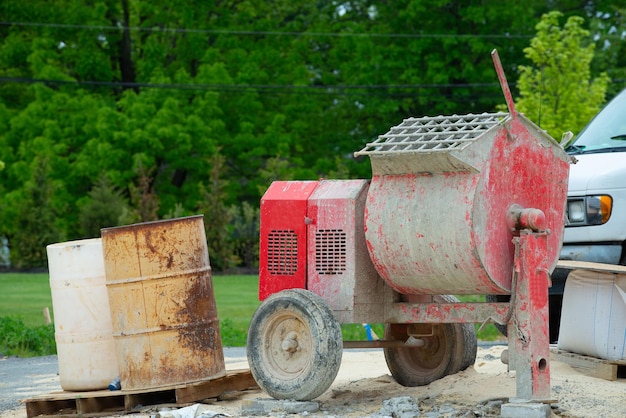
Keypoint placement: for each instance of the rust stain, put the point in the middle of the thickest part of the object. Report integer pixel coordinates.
(199, 309)
(149, 245)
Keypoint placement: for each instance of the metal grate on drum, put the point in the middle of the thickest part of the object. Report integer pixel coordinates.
(432, 134)
(330, 251)
(282, 252)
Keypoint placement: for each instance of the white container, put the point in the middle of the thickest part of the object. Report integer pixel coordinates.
(593, 317)
(82, 318)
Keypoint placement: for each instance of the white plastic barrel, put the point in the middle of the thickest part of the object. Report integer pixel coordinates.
(593, 316)
(82, 318)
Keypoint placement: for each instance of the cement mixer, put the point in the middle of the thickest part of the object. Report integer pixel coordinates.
(457, 205)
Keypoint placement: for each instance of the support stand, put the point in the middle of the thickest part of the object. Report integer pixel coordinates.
(528, 329)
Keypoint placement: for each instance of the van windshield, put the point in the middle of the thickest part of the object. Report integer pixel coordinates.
(606, 131)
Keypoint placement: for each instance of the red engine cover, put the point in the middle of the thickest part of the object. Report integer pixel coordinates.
(283, 245)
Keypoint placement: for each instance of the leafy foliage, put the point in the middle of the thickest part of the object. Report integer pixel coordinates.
(557, 91)
(607, 28)
(245, 233)
(232, 337)
(19, 340)
(154, 95)
(103, 208)
(35, 218)
(216, 217)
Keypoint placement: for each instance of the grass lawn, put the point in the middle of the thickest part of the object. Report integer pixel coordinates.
(236, 298)
(25, 296)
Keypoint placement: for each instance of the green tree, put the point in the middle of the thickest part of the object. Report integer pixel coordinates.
(557, 91)
(103, 208)
(35, 222)
(147, 92)
(246, 231)
(607, 26)
(217, 217)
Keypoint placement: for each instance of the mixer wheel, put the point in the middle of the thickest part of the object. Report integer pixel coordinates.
(467, 347)
(294, 345)
(418, 366)
(466, 344)
(450, 348)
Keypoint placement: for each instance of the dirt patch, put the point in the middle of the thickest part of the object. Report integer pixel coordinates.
(365, 388)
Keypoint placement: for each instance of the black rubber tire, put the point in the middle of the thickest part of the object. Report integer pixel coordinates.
(466, 343)
(469, 346)
(451, 348)
(294, 345)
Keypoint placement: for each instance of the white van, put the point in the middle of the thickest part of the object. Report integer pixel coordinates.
(595, 228)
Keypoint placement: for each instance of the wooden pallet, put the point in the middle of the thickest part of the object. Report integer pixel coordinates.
(591, 366)
(105, 402)
(585, 265)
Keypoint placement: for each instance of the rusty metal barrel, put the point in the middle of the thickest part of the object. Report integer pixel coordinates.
(438, 211)
(164, 317)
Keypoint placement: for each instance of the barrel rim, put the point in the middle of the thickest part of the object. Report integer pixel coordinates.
(147, 223)
(74, 243)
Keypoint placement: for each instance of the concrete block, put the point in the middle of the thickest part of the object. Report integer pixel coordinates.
(525, 410)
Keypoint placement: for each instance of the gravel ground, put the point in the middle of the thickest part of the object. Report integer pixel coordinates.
(22, 378)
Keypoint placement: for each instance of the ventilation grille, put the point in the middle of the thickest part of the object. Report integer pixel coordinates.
(282, 252)
(330, 251)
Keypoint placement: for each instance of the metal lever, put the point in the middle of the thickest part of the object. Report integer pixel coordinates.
(503, 83)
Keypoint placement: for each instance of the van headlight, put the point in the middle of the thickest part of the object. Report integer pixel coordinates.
(589, 210)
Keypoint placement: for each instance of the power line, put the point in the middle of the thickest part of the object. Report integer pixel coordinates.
(267, 33)
(331, 89)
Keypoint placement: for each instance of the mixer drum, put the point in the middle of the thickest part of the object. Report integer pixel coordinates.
(436, 211)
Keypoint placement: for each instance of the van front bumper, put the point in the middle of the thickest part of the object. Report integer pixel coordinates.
(604, 253)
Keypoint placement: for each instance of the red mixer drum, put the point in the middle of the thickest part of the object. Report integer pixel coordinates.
(436, 216)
